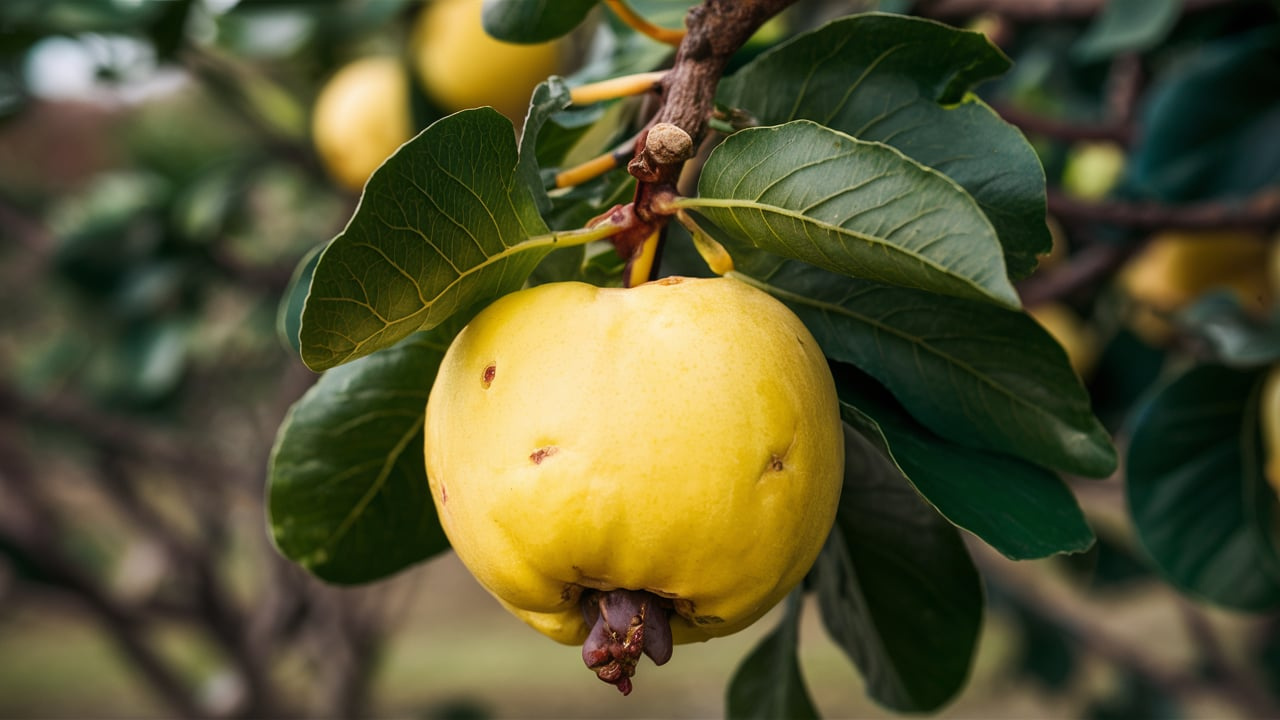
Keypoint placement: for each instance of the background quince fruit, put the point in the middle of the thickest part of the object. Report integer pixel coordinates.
(361, 116)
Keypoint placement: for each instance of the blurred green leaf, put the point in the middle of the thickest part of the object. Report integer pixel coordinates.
(1194, 485)
(862, 209)
(768, 683)
(904, 82)
(1127, 26)
(446, 222)
(522, 21)
(1208, 132)
(1019, 509)
(289, 315)
(896, 587)
(1238, 339)
(971, 372)
(348, 495)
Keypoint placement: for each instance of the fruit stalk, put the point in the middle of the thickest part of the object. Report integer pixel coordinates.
(624, 625)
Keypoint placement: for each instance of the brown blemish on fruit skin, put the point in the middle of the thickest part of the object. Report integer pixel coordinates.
(669, 280)
(444, 494)
(542, 453)
(775, 463)
(486, 377)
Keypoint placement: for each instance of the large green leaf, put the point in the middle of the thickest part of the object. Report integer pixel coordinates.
(1019, 509)
(348, 495)
(903, 81)
(857, 208)
(1194, 486)
(973, 373)
(896, 587)
(768, 683)
(533, 21)
(445, 223)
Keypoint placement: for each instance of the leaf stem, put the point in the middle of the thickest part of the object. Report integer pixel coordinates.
(637, 22)
(595, 167)
(712, 252)
(619, 87)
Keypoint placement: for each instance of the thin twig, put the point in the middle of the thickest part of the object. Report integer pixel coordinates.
(1260, 211)
(1034, 10)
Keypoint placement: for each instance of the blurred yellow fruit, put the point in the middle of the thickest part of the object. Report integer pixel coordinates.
(1269, 409)
(1072, 333)
(1176, 268)
(461, 66)
(1092, 169)
(361, 116)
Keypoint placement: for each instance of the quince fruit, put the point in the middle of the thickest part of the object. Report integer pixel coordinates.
(635, 467)
(461, 66)
(1175, 268)
(361, 116)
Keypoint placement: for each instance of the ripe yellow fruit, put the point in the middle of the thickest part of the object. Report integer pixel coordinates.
(1269, 410)
(361, 117)
(1176, 268)
(461, 66)
(1072, 333)
(680, 438)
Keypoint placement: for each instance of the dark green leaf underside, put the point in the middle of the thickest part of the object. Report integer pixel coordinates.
(1021, 510)
(1192, 487)
(976, 374)
(896, 587)
(348, 495)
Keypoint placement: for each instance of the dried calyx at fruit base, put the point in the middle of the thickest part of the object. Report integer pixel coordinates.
(635, 468)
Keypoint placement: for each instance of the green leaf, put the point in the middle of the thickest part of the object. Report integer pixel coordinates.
(768, 683)
(1127, 26)
(904, 82)
(896, 587)
(1195, 484)
(289, 314)
(861, 209)
(550, 97)
(1021, 510)
(1236, 337)
(1207, 131)
(533, 21)
(445, 223)
(979, 375)
(348, 495)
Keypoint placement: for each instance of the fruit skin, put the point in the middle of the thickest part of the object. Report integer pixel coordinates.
(1093, 169)
(1269, 410)
(461, 66)
(682, 437)
(1175, 268)
(361, 116)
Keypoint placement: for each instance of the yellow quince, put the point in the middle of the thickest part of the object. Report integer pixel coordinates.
(635, 467)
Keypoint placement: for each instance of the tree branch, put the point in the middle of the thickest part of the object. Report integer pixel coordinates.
(716, 29)
(1260, 211)
(1033, 10)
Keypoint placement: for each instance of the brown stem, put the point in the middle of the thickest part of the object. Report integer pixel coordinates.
(1033, 10)
(1259, 212)
(716, 29)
